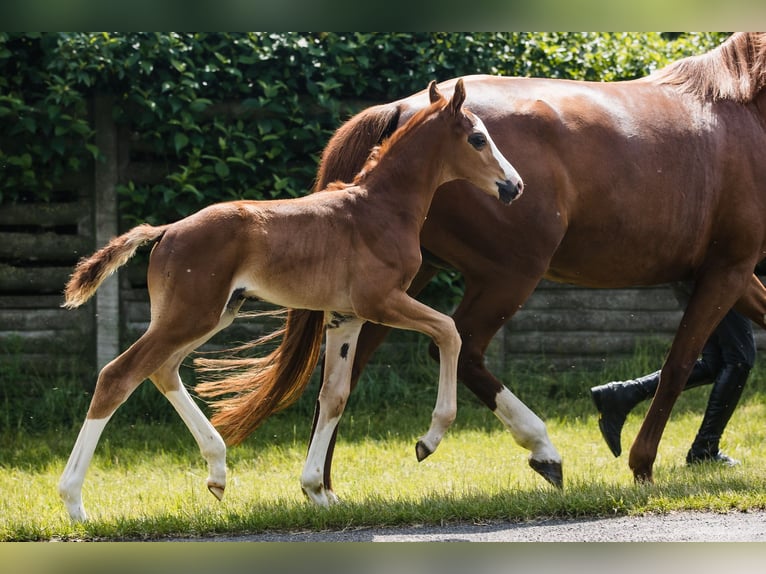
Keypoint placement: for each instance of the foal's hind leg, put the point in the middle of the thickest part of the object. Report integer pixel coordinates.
(340, 348)
(211, 445)
(116, 382)
(144, 359)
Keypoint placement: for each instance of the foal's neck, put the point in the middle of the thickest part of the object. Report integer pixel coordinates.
(408, 174)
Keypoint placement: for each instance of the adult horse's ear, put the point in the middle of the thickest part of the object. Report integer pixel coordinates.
(433, 92)
(458, 97)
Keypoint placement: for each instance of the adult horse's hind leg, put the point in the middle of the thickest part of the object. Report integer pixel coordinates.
(340, 349)
(711, 299)
(753, 303)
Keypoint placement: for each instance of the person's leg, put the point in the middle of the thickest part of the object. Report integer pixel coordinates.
(734, 336)
(616, 399)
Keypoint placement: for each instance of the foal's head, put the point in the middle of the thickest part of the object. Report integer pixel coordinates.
(475, 157)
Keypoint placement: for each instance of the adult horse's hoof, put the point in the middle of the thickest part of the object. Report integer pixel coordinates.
(549, 470)
(643, 477)
(422, 451)
(641, 464)
(216, 490)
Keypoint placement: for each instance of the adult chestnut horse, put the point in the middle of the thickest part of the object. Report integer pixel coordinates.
(639, 182)
(348, 253)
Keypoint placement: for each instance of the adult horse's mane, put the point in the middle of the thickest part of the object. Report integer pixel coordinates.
(377, 152)
(735, 70)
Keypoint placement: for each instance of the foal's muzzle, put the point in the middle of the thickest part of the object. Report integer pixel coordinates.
(509, 191)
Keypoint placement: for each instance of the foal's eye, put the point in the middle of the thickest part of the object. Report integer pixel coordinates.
(477, 140)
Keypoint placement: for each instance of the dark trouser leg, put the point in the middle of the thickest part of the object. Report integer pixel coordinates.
(735, 337)
(616, 399)
(724, 397)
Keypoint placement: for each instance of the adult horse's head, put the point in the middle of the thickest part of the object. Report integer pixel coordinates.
(478, 160)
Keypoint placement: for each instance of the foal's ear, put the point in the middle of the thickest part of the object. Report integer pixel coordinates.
(433, 92)
(457, 98)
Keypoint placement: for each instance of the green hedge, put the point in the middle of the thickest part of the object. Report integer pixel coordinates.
(235, 115)
(172, 91)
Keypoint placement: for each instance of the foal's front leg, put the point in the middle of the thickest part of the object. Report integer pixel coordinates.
(340, 348)
(403, 312)
(445, 410)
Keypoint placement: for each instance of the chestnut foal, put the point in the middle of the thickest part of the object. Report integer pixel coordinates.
(350, 252)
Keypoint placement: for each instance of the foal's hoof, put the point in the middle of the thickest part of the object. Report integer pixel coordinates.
(216, 490)
(422, 451)
(549, 470)
(321, 496)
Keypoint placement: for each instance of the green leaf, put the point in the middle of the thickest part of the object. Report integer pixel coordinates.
(199, 104)
(146, 66)
(178, 65)
(222, 170)
(180, 141)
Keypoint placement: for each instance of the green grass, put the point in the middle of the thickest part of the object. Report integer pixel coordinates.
(147, 478)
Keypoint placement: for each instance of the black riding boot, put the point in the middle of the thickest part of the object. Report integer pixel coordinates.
(616, 399)
(724, 397)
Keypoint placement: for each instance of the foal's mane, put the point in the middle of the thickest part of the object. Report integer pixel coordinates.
(735, 70)
(379, 151)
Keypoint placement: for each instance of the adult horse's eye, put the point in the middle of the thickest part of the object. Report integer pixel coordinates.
(477, 140)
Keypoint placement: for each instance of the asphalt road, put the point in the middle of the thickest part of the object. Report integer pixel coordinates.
(673, 527)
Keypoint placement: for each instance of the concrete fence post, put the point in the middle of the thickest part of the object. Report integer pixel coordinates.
(105, 215)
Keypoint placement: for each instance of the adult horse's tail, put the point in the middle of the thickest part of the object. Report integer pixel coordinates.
(263, 385)
(90, 272)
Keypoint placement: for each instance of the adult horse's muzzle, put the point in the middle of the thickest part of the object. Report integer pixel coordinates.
(509, 191)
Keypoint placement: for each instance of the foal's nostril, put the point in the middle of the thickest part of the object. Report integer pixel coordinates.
(509, 191)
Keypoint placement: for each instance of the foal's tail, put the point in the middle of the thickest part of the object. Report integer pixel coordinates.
(91, 272)
(264, 385)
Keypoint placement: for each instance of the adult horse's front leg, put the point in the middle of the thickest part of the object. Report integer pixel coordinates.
(340, 348)
(713, 296)
(485, 308)
(753, 303)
